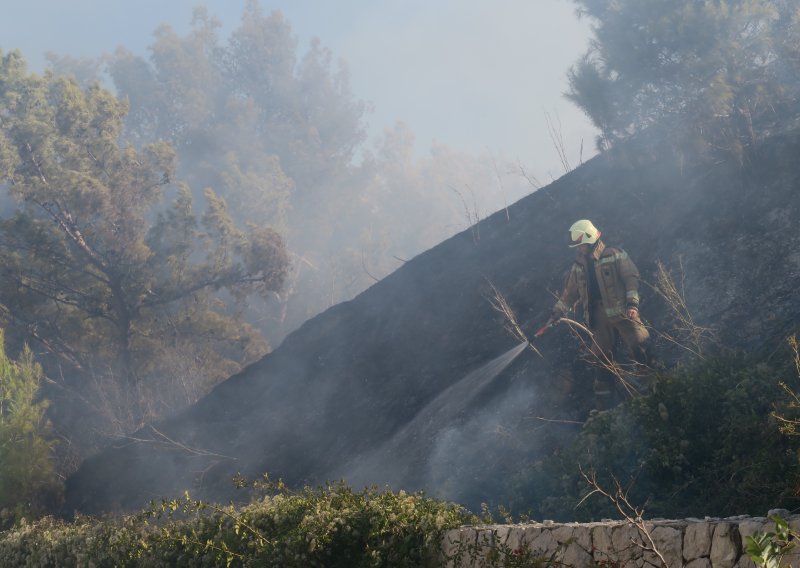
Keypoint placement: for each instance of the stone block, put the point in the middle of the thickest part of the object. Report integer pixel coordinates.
(792, 559)
(669, 542)
(576, 556)
(745, 562)
(699, 563)
(725, 546)
(544, 544)
(456, 544)
(517, 537)
(794, 524)
(753, 526)
(697, 540)
(782, 513)
(501, 534)
(563, 534)
(625, 543)
(579, 534)
(602, 549)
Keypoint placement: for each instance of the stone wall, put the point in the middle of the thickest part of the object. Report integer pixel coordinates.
(693, 543)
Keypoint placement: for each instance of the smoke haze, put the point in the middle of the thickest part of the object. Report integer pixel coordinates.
(477, 76)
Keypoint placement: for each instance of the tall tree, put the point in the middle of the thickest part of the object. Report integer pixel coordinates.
(719, 69)
(94, 270)
(281, 136)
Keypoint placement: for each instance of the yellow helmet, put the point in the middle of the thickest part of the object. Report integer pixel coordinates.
(583, 233)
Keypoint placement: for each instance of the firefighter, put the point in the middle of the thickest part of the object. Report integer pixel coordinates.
(606, 282)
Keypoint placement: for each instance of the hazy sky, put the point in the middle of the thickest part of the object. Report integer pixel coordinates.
(477, 75)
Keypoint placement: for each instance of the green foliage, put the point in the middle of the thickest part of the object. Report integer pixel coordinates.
(92, 267)
(275, 129)
(704, 444)
(330, 526)
(28, 481)
(723, 71)
(768, 549)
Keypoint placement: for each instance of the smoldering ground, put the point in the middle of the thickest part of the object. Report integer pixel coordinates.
(368, 382)
(342, 386)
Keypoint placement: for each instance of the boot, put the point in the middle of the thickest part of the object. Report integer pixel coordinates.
(603, 390)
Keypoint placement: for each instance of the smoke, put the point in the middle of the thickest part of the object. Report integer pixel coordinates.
(462, 440)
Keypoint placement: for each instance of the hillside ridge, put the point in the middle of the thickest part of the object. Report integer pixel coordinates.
(347, 380)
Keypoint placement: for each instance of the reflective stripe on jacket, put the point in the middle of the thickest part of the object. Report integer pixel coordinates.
(617, 278)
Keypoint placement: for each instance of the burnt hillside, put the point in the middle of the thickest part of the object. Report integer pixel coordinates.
(340, 395)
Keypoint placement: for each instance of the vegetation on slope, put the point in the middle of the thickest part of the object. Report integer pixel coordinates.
(156, 239)
(706, 443)
(720, 74)
(710, 441)
(28, 482)
(108, 281)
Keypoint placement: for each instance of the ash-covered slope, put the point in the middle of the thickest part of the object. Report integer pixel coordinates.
(357, 391)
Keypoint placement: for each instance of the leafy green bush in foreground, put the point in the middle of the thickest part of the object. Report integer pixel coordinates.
(331, 526)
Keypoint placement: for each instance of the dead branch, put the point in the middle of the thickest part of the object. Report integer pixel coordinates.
(630, 513)
(531, 179)
(557, 421)
(169, 442)
(364, 266)
(598, 357)
(499, 303)
(502, 188)
(472, 215)
(557, 138)
(688, 335)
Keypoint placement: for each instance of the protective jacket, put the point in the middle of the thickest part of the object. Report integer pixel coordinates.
(617, 279)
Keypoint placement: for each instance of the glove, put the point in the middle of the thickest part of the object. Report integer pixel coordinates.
(550, 323)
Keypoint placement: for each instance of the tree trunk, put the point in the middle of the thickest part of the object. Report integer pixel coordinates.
(130, 380)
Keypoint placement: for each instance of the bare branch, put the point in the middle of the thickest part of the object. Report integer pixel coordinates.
(502, 188)
(631, 514)
(471, 214)
(599, 357)
(558, 421)
(500, 304)
(364, 267)
(688, 335)
(557, 138)
(163, 439)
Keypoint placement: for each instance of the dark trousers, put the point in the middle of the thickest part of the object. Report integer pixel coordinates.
(605, 331)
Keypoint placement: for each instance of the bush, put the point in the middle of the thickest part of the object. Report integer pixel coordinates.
(330, 526)
(704, 444)
(28, 482)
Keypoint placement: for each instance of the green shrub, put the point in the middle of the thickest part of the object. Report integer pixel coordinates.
(768, 549)
(705, 444)
(331, 526)
(28, 481)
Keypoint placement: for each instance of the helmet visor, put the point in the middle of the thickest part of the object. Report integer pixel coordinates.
(576, 238)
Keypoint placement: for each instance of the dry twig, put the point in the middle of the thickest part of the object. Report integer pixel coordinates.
(470, 212)
(557, 138)
(500, 304)
(688, 335)
(632, 514)
(598, 357)
(169, 442)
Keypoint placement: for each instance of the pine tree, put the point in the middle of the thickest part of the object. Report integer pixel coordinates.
(721, 71)
(28, 481)
(97, 272)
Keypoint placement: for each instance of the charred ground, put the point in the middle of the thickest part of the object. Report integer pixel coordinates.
(347, 381)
